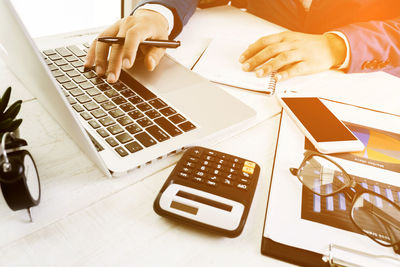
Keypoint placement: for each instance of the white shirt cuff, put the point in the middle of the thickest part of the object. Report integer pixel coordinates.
(347, 59)
(164, 11)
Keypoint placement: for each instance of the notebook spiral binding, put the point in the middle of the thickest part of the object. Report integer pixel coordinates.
(272, 83)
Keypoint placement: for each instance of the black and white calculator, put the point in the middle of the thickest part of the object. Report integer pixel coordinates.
(210, 189)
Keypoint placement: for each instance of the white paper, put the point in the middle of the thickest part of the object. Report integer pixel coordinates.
(220, 63)
(284, 223)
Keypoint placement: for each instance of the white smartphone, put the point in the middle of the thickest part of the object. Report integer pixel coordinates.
(324, 130)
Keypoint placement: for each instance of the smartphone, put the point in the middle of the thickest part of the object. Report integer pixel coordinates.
(324, 130)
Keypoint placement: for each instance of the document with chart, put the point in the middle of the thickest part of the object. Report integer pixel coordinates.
(303, 227)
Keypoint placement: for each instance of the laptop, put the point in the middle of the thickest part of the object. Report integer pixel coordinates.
(144, 117)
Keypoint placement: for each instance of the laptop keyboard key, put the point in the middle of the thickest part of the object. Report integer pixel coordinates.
(86, 85)
(90, 74)
(57, 73)
(52, 67)
(144, 107)
(167, 126)
(119, 86)
(91, 106)
(71, 100)
(63, 52)
(98, 113)
(49, 52)
(71, 58)
(93, 91)
(101, 99)
(108, 105)
(62, 79)
(77, 64)
(187, 126)
(122, 152)
(76, 92)
(103, 133)
(145, 139)
(135, 100)
(144, 122)
(157, 133)
(127, 107)
(78, 108)
(177, 118)
(152, 114)
(76, 50)
(104, 87)
(133, 128)
(79, 79)
(135, 114)
(111, 93)
(133, 147)
(116, 113)
(69, 85)
(111, 141)
(55, 57)
(125, 120)
(127, 93)
(115, 129)
(83, 99)
(124, 138)
(73, 73)
(119, 100)
(86, 115)
(94, 124)
(66, 68)
(157, 103)
(97, 80)
(167, 111)
(107, 121)
(60, 62)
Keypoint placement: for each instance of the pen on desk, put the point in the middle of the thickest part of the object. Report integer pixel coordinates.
(157, 43)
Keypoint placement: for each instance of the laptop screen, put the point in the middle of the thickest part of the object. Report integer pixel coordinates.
(49, 17)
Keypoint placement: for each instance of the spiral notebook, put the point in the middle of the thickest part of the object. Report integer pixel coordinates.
(220, 63)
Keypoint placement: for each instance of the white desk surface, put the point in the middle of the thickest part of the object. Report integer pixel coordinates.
(85, 219)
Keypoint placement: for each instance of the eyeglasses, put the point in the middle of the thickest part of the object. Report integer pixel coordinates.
(373, 214)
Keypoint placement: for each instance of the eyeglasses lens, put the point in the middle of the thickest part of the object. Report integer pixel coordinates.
(322, 176)
(377, 218)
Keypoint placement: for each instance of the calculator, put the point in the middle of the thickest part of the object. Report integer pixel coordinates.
(210, 189)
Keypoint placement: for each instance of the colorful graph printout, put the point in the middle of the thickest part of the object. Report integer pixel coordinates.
(382, 149)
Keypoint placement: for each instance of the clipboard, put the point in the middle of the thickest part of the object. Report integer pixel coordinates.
(341, 245)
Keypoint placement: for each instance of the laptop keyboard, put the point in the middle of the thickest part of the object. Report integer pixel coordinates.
(126, 114)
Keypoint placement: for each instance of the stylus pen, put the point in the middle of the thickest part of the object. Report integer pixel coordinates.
(157, 43)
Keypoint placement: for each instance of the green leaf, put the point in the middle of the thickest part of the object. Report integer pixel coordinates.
(4, 99)
(14, 125)
(12, 111)
(5, 124)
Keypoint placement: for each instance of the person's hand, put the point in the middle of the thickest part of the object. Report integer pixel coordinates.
(143, 24)
(292, 53)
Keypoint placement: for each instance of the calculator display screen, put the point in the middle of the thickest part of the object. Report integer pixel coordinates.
(319, 121)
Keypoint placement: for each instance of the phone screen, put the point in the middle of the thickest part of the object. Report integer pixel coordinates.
(319, 121)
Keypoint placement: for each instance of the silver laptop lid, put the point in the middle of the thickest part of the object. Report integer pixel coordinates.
(23, 58)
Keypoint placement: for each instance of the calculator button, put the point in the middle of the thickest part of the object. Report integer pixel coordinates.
(248, 170)
(187, 170)
(198, 179)
(244, 181)
(193, 159)
(227, 182)
(183, 175)
(249, 164)
(211, 183)
(189, 164)
(242, 186)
